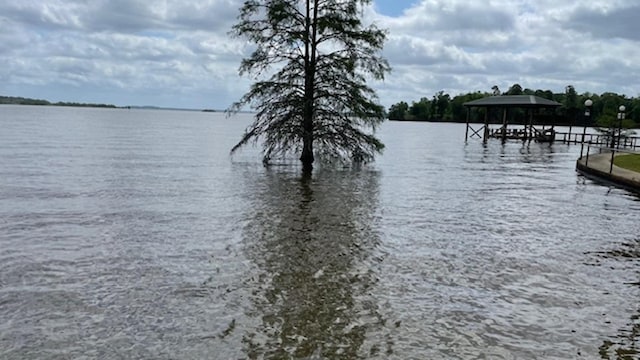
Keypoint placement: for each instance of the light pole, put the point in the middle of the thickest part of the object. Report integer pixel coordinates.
(621, 110)
(587, 115)
(621, 116)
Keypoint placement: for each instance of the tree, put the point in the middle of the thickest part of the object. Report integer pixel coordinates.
(634, 110)
(515, 89)
(316, 101)
(570, 106)
(398, 111)
(571, 97)
(545, 94)
(440, 104)
(420, 110)
(458, 110)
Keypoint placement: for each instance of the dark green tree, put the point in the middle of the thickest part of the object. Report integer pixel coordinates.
(634, 110)
(439, 105)
(545, 94)
(420, 110)
(569, 107)
(570, 97)
(458, 111)
(315, 101)
(515, 89)
(398, 111)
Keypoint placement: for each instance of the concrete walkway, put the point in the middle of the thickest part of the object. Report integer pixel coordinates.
(599, 165)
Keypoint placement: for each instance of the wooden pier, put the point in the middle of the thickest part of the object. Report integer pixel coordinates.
(527, 128)
(527, 133)
(528, 105)
(622, 142)
(542, 135)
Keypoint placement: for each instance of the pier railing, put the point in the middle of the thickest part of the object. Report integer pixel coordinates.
(600, 150)
(622, 142)
(598, 162)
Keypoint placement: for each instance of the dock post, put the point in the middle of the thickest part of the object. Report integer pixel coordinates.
(528, 123)
(466, 133)
(504, 124)
(486, 125)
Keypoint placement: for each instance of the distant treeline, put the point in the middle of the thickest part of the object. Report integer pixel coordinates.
(443, 107)
(26, 101)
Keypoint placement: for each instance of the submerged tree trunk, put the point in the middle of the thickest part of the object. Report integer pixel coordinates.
(307, 157)
(307, 143)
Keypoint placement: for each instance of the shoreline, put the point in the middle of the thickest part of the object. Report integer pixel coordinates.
(598, 166)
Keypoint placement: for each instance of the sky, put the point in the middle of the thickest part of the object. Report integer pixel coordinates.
(177, 53)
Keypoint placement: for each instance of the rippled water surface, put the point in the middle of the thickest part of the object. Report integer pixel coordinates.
(133, 234)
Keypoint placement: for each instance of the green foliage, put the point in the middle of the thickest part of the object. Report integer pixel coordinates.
(603, 113)
(22, 101)
(458, 111)
(545, 94)
(441, 107)
(316, 57)
(571, 97)
(515, 89)
(420, 110)
(398, 111)
(569, 101)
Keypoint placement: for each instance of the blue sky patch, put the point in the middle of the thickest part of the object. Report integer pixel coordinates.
(393, 7)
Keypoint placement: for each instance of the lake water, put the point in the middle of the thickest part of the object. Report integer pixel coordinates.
(133, 234)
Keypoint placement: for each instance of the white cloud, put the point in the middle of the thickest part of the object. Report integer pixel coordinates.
(178, 52)
(470, 45)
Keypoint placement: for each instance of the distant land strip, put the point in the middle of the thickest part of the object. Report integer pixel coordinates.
(13, 100)
(16, 100)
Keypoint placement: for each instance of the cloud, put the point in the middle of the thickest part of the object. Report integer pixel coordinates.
(444, 16)
(179, 51)
(461, 46)
(608, 20)
(41, 16)
(117, 46)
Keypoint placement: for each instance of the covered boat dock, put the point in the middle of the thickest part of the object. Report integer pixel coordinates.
(529, 103)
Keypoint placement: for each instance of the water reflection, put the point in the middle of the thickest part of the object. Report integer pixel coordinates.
(313, 241)
(625, 345)
(527, 152)
(537, 152)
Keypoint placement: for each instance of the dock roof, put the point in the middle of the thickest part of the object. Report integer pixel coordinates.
(522, 101)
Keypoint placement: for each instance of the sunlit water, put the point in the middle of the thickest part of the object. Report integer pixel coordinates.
(134, 234)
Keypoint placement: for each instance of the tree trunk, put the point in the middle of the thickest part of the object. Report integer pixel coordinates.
(307, 123)
(309, 85)
(307, 142)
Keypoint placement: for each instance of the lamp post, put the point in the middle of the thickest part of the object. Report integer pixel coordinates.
(621, 116)
(587, 115)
